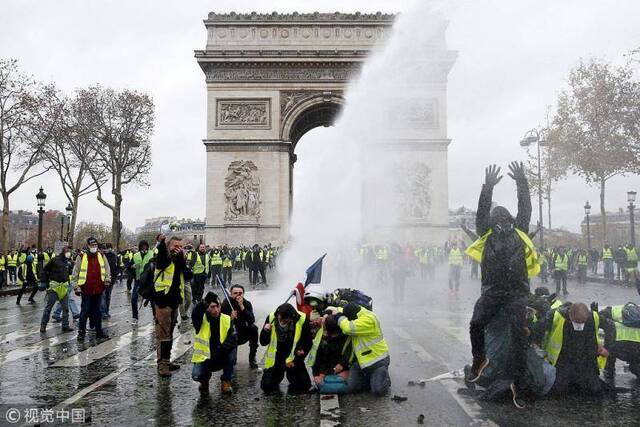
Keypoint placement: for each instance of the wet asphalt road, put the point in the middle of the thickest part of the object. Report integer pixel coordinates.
(117, 383)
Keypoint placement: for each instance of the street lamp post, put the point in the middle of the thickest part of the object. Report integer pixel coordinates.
(69, 210)
(61, 226)
(587, 211)
(40, 197)
(631, 198)
(537, 137)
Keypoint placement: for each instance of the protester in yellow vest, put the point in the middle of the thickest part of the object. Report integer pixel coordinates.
(621, 341)
(570, 338)
(12, 266)
(170, 275)
(3, 269)
(508, 259)
(288, 339)
(582, 264)
(607, 260)
(560, 268)
(56, 274)
(455, 266)
(199, 263)
(28, 276)
(211, 355)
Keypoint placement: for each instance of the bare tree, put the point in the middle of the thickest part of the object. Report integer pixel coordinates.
(118, 125)
(69, 155)
(29, 112)
(590, 129)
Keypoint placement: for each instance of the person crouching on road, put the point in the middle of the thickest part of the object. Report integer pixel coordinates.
(287, 334)
(214, 344)
(329, 358)
(371, 369)
(170, 275)
(241, 311)
(90, 275)
(56, 273)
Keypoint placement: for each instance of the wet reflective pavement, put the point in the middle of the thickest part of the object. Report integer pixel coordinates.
(116, 380)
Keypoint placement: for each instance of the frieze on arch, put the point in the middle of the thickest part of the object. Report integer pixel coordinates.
(277, 72)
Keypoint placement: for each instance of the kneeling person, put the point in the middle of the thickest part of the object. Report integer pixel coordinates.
(241, 311)
(287, 334)
(329, 358)
(214, 345)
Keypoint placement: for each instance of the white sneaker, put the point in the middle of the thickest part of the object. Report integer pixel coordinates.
(134, 322)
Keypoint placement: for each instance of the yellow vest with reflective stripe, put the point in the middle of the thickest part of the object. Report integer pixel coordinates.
(60, 288)
(582, 260)
(2, 262)
(632, 255)
(198, 266)
(616, 313)
(270, 355)
(12, 260)
(476, 249)
(553, 344)
(46, 258)
(201, 347)
(216, 259)
(607, 254)
(226, 263)
(455, 257)
(23, 269)
(369, 345)
(557, 303)
(627, 333)
(84, 265)
(561, 262)
(165, 278)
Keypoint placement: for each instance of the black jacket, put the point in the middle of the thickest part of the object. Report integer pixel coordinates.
(173, 298)
(57, 269)
(504, 269)
(112, 259)
(245, 318)
(330, 354)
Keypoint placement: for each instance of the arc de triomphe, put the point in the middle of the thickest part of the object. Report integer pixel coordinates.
(270, 78)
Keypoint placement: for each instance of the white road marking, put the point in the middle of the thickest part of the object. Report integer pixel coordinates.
(178, 351)
(470, 407)
(101, 350)
(329, 410)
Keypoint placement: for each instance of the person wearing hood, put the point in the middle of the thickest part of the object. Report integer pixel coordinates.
(139, 261)
(56, 274)
(287, 335)
(28, 276)
(569, 335)
(91, 274)
(507, 260)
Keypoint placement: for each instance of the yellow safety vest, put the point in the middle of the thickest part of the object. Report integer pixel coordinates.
(201, 347)
(556, 304)
(216, 259)
(561, 262)
(2, 262)
(632, 255)
(582, 260)
(455, 257)
(46, 258)
(616, 313)
(227, 263)
(84, 265)
(476, 249)
(12, 260)
(369, 345)
(198, 266)
(60, 288)
(22, 258)
(424, 257)
(165, 278)
(607, 254)
(311, 357)
(553, 344)
(23, 269)
(270, 356)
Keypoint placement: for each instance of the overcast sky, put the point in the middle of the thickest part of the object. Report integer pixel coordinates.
(514, 57)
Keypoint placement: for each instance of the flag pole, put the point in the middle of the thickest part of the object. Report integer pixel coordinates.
(224, 291)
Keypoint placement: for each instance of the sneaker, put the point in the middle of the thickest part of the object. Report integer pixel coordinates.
(477, 368)
(76, 316)
(31, 301)
(134, 322)
(102, 336)
(204, 387)
(81, 335)
(173, 366)
(67, 329)
(225, 387)
(517, 400)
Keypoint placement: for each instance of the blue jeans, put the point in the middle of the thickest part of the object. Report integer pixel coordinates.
(374, 378)
(51, 299)
(106, 301)
(75, 311)
(201, 372)
(134, 299)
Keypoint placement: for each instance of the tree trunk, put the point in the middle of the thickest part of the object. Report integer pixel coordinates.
(549, 212)
(115, 222)
(74, 219)
(602, 211)
(4, 228)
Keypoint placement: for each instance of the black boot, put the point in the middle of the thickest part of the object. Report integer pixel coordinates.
(252, 357)
(172, 366)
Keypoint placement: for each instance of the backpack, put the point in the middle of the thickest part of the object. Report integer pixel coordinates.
(146, 288)
(631, 315)
(341, 297)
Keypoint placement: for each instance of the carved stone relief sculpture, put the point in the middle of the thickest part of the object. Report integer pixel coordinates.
(413, 181)
(246, 113)
(242, 192)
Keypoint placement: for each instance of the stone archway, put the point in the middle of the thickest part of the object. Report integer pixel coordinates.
(270, 78)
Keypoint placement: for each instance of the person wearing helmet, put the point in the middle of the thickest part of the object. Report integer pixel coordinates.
(28, 276)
